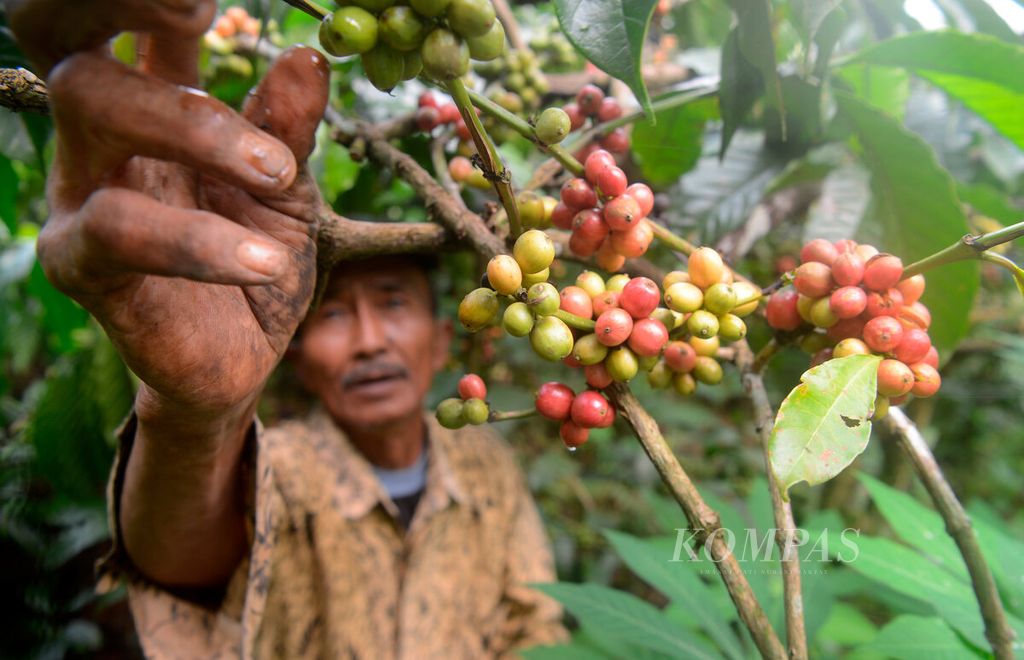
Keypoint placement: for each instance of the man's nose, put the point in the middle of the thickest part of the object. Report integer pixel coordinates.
(370, 338)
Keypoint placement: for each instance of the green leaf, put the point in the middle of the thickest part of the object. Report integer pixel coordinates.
(561, 652)
(847, 625)
(989, 201)
(679, 582)
(754, 34)
(741, 87)
(823, 424)
(623, 616)
(916, 202)
(886, 88)
(978, 16)
(980, 71)
(837, 213)
(909, 637)
(611, 34)
(671, 147)
(917, 525)
(8, 195)
(1005, 556)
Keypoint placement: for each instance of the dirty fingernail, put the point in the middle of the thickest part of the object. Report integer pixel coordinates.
(270, 159)
(261, 257)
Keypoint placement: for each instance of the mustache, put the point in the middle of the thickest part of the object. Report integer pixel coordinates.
(374, 370)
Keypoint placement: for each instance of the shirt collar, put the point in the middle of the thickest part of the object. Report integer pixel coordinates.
(357, 490)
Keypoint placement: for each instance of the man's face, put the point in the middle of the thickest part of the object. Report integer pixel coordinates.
(371, 350)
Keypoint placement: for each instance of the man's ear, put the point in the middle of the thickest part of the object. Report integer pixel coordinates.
(444, 332)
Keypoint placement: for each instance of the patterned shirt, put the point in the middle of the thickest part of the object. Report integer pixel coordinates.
(333, 574)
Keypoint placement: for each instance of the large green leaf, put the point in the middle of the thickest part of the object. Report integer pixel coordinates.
(982, 72)
(669, 148)
(611, 34)
(757, 44)
(624, 616)
(978, 16)
(886, 88)
(572, 651)
(837, 212)
(679, 582)
(823, 423)
(916, 202)
(8, 195)
(909, 637)
(741, 87)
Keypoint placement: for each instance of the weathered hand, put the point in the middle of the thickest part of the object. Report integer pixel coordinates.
(184, 227)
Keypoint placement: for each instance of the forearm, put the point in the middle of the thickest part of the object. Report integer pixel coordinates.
(182, 506)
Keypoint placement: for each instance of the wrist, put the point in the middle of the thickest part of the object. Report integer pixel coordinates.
(162, 416)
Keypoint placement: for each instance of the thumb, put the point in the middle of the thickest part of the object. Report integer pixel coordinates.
(290, 100)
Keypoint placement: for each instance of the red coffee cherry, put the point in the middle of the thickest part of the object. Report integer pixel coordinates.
(813, 279)
(609, 109)
(460, 168)
(577, 194)
(613, 327)
(576, 301)
(883, 334)
(462, 131)
(427, 100)
(596, 163)
(781, 312)
(573, 435)
(819, 250)
(554, 400)
(882, 272)
(583, 246)
(605, 301)
(622, 213)
(643, 195)
(612, 181)
(680, 356)
(597, 376)
(916, 315)
(633, 243)
(847, 328)
(865, 252)
(894, 377)
(617, 141)
(848, 301)
(608, 257)
(911, 288)
(926, 380)
(472, 386)
(914, 346)
(640, 297)
(576, 116)
(887, 303)
(450, 113)
(427, 118)
(589, 99)
(824, 355)
(591, 227)
(648, 337)
(591, 410)
(848, 269)
(562, 216)
(846, 245)
(932, 357)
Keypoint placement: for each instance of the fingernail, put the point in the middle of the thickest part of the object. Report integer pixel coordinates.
(270, 159)
(261, 258)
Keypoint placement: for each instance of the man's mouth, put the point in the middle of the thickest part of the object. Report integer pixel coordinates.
(373, 376)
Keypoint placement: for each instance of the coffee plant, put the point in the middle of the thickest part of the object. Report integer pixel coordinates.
(752, 263)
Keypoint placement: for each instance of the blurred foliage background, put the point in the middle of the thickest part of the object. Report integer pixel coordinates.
(867, 172)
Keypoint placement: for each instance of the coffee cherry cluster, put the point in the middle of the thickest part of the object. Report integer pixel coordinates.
(857, 301)
(605, 213)
(593, 104)
(553, 49)
(431, 113)
(470, 407)
(397, 41)
(234, 21)
(222, 42)
(517, 72)
(578, 413)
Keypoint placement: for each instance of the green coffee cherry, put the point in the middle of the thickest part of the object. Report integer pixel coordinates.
(543, 299)
(401, 28)
(445, 56)
(518, 319)
(660, 376)
(430, 8)
(470, 18)
(376, 6)
(412, 64)
(348, 31)
(489, 45)
(478, 309)
(684, 384)
(534, 251)
(588, 350)
(475, 411)
(450, 413)
(703, 324)
(731, 327)
(552, 126)
(384, 67)
(622, 364)
(707, 370)
(551, 338)
(719, 298)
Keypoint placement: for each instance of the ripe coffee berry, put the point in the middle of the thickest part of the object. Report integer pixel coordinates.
(781, 312)
(643, 196)
(472, 386)
(589, 99)
(608, 257)
(597, 376)
(605, 301)
(913, 347)
(883, 334)
(609, 109)
(848, 269)
(819, 250)
(554, 400)
(911, 288)
(613, 327)
(577, 301)
(590, 226)
(639, 297)
(926, 380)
(590, 409)
(680, 356)
(427, 118)
(634, 242)
(583, 246)
(848, 301)
(617, 141)
(894, 378)
(622, 213)
(612, 181)
(705, 267)
(648, 337)
(813, 279)
(597, 162)
(562, 215)
(577, 193)
(573, 435)
(882, 272)
(885, 303)
(576, 117)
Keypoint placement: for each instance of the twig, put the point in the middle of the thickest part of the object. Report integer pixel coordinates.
(968, 247)
(22, 91)
(704, 520)
(766, 353)
(437, 159)
(785, 527)
(504, 416)
(508, 21)
(958, 525)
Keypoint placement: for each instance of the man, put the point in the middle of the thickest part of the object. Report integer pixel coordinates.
(188, 231)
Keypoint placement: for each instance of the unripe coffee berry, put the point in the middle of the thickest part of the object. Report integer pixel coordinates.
(660, 376)
(707, 370)
(589, 99)
(613, 327)
(472, 386)
(429, 8)
(719, 298)
(813, 279)
(705, 267)
(622, 364)
(781, 312)
(531, 210)
(883, 334)
(478, 309)
(706, 347)
(819, 250)
(703, 324)
(666, 316)
(822, 356)
(731, 327)
(534, 251)
(518, 319)
(883, 272)
(445, 56)
(850, 346)
(747, 298)
(348, 31)
(617, 282)
(450, 415)
(475, 411)
(684, 384)
(552, 126)
(529, 279)
(401, 28)
(554, 400)
(489, 45)
(590, 282)
(848, 301)
(814, 342)
(894, 377)
(470, 18)
(822, 315)
(590, 409)
(589, 350)
(543, 299)
(639, 297)
(576, 301)
(504, 274)
(551, 338)
(383, 66)
(648, 337)
(804, 305)
(881, 408)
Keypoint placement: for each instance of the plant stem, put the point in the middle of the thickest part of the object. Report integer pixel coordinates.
(785, 534)
(311, 8)
(665, 235)
(493, 168)
(765, 354)
(522, 127)
(499, 416)
(704, 520)
(968, 247)
(958, 525)
(575, 322)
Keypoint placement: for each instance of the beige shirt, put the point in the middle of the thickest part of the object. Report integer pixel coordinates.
(332, 574)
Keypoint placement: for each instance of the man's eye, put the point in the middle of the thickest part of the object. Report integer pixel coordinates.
(334, 313)
(396, 301)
